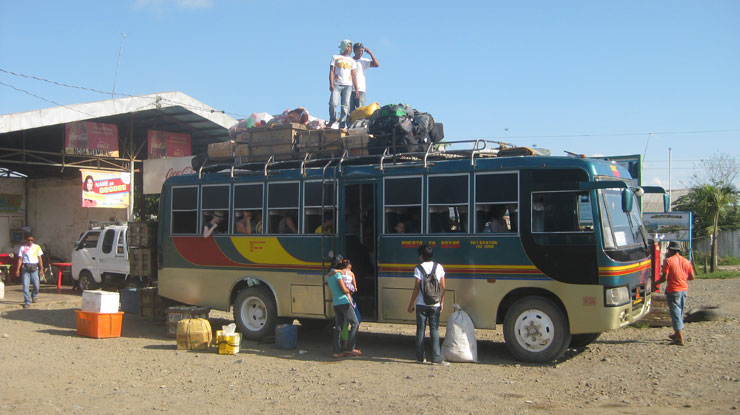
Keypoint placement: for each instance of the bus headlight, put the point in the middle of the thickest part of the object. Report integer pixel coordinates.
(617, 296)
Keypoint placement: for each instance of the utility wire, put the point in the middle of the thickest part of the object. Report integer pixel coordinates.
(44, 99)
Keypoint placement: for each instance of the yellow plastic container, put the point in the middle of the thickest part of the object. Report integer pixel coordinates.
(228, 343)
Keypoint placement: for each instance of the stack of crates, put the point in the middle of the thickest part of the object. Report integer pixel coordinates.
(177, 313)
(142, 249)
(151, 304)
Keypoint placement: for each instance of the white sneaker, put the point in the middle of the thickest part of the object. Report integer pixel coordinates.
(441, 363)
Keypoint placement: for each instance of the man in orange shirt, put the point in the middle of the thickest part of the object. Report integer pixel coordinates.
(677, 270)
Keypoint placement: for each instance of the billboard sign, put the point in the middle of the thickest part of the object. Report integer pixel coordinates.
(163, 144)
(105, 189)
(673, 226)
(91, 139)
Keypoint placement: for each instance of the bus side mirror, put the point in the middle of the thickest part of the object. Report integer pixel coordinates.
(627, 200)
(666, 202)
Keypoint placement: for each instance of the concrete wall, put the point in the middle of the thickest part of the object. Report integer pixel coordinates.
(10, 187)
(56, 215)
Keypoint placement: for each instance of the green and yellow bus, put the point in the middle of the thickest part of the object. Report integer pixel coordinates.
(552, 248)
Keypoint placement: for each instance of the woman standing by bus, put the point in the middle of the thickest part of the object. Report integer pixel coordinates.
(343, 310)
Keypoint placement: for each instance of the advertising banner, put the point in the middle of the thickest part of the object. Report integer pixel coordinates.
(166, 144)
(105, 189)
(674, 226)
(157, 171)
(91, 139)
(10, 202)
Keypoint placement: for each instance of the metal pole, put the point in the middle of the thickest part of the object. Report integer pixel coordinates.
(670, 194)
(120, 51)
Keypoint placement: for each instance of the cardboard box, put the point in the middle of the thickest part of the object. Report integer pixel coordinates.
(228, 343)
(97, 301)
(221, 151)
(99, 325)
(177, 313)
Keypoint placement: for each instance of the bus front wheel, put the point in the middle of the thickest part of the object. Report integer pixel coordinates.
(536, 330)
(255, 312)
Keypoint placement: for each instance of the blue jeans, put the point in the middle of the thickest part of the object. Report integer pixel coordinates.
(343, 91)
(342, 313)
(426, 313)
(355, 103)
(29, 277)
(676, 301)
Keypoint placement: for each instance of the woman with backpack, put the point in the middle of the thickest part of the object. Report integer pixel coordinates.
(428, 298)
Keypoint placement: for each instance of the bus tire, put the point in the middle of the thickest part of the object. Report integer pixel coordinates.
(86, 281)
(582, 340)
(536, 330)
(255, 312)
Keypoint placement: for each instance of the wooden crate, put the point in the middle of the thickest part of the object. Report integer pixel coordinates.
(356, 144)
(278, 140)
(177, 313)
(221, 151)
(141, 234)
(143, 262)
(151, 304)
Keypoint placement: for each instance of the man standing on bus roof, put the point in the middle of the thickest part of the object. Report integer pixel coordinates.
(427, 312)
(361, 64)
(342, 77)
(677, 270)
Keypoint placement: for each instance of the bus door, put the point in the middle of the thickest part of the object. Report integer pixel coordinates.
(358, 234)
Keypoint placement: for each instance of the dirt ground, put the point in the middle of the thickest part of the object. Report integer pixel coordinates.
(47, 369)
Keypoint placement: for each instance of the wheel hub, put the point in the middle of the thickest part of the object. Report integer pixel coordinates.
(534, 330)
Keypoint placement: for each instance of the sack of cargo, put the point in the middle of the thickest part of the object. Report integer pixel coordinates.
(194, 334)
(363, 112)
(437, 133)
(423, 124)
(459, 344)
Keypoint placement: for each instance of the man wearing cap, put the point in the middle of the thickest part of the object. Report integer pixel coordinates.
(342, 78)
(677, 270)
(361, 64)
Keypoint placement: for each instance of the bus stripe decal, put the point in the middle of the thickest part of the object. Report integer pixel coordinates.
(201, 251)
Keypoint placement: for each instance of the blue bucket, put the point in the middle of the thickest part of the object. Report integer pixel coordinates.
(129, 300)
(286, 336)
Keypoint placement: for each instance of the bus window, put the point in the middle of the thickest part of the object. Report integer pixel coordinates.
(496, 202)
(215, 207)
(282, 208)
(248, 208)
(402, 205)
(448, 203)
(314, 219)
(184, 210)
(561, 212)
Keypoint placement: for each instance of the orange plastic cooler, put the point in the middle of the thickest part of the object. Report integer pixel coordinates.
(99, 325)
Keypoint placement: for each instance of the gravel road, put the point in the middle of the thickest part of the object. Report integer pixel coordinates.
(47, 369)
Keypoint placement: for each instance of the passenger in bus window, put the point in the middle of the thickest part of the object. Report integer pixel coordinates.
(399, 227)
(326, 226)
(211, 227)
(497, 222)
(287, 223)
(244, 222)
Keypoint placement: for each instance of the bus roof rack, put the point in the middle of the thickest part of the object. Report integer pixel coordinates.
(477, 148)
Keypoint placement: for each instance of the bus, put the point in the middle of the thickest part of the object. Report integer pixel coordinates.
(569, 257)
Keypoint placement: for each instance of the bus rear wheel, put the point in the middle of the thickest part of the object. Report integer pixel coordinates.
(255, 312)
(536, 330)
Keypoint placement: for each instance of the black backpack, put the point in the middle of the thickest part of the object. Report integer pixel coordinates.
(431, 289)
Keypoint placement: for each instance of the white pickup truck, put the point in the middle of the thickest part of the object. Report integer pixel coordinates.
(101, 255)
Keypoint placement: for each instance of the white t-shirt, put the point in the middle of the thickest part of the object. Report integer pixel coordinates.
(439, 273)
(360, 66)
(30, 254)
(343, 66)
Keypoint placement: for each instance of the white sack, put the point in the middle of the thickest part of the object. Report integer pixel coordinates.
(459, 344)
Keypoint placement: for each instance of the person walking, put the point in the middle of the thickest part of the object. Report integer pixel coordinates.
(343, 310)
(30, 265)
(361, 64)
(677, 271)
(342, 78)
(425, 312)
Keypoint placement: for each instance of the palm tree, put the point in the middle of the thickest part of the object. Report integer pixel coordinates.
(712, 202)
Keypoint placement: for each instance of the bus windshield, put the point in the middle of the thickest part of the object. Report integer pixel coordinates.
(620, 229)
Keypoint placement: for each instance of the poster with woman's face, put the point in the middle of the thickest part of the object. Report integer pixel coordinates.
(105, 188)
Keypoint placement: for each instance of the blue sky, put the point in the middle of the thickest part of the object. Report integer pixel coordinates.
(591, 77)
